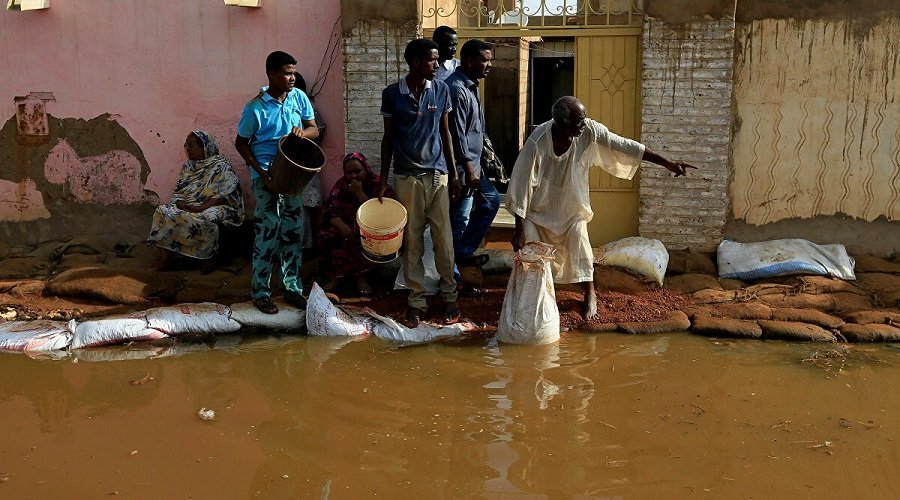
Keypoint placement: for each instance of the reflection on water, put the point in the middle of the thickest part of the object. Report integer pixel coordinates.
(593, 416)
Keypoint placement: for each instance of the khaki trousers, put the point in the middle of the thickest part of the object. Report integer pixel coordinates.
(427, 201)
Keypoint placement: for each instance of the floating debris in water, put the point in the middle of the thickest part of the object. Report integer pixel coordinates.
(206, 414)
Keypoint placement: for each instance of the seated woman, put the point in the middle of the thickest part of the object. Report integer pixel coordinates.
(207, 194)
(338, 237)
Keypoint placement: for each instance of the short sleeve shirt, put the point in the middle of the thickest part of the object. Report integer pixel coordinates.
(466, 121)
(446, 69)
(265, 120)
(417, 126)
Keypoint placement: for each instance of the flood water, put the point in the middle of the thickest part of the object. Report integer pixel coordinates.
(594, 416)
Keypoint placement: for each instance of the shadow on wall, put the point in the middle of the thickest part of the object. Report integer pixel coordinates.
(880, 237)
(84, 176)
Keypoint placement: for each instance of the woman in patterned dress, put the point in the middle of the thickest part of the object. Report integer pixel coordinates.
(207, 194)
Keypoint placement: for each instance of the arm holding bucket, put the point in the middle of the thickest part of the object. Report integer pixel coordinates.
(309, 130)
(387, 153)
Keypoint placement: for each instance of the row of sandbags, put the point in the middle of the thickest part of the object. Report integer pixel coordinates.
(321, 317)
(743, 261)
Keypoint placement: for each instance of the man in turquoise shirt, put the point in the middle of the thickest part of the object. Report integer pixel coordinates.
(278, 110)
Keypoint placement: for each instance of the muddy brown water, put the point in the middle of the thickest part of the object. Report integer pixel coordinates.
(594, 416)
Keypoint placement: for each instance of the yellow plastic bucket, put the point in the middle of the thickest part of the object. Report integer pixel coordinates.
(381, 229)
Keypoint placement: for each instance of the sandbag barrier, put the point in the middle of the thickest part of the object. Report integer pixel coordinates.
(750, 321)
(719, 313)
(321, 318)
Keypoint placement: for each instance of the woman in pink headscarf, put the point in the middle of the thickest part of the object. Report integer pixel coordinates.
(338, 237)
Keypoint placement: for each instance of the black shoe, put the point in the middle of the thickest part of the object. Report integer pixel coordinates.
(451, 313)
(295, 299)
(412, 317)
(265, 305)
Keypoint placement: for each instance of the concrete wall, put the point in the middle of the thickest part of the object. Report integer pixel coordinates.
(122, 83)
(374, 38)
(687, 95)
(817, 135)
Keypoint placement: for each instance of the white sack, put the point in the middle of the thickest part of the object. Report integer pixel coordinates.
(388, 329)
(432, 279)
(530, 314)
(183, 319)
(114, 330)
(324, 318)
(287, 317)
(38, 335)
(644, 256)
(748, 261)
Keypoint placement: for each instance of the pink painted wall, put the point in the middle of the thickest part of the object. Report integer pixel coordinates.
(162, 68)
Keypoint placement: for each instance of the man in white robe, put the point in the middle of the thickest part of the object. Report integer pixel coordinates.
(548, 191)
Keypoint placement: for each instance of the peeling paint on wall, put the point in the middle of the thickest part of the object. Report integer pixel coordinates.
(20, 202)
(109, 179)
(52, 186)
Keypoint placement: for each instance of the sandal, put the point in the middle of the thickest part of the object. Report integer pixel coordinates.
(451, 313)
(412, 317)
(265, 305)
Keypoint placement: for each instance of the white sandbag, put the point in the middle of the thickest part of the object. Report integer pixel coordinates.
(114, 330)
(530, 314)
(644, 256)
(747, 261)
(183, 319)
(388, 329)
(287, 317)
(324, 318)
(33, 336)
(432, 279)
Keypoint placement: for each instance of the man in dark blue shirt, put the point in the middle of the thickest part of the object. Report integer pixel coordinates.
(471, 216)
(416, 143)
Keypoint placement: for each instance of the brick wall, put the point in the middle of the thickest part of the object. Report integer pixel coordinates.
(687, 113)
(373, 59)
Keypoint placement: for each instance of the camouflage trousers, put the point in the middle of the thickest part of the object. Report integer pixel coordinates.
(278, 226)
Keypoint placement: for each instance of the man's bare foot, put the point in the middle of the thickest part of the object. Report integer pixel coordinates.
(590, 303)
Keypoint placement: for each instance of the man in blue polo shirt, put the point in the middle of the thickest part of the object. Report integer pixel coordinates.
(277, 110)
(417, 144)
(471, 216)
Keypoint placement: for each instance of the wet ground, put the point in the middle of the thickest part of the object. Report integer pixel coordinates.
(594, 416)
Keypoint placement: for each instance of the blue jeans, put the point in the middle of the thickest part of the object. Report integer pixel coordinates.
(471, 218)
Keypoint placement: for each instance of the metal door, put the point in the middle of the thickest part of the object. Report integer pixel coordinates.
(607, 81)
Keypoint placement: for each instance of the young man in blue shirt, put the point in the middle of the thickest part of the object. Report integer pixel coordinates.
(417, 144)
(278, 110)
(471, 216)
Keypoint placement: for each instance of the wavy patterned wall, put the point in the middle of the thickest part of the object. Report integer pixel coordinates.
(818, 107)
